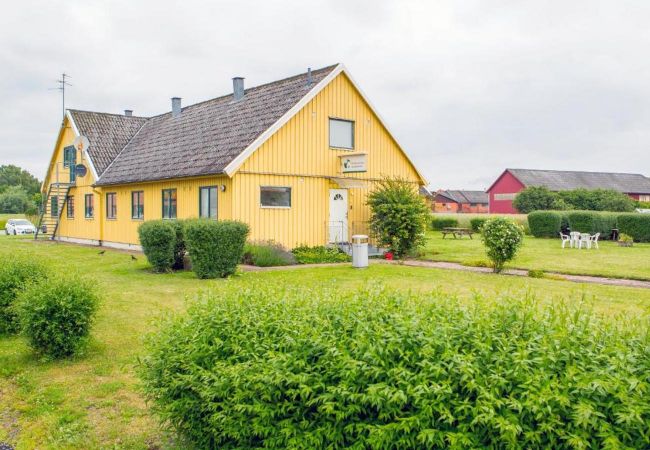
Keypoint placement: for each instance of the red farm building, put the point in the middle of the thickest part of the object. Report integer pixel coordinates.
(512, 181)
(461, 201)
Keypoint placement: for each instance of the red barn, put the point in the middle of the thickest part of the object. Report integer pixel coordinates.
(461, 201)
(512, 181)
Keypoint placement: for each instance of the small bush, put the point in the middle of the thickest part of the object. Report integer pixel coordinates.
(306, 369)
(15, 275)
(319, 255)
(438, 223)
(398, 215)
(636, 225)
(215, 248)
(267, 254)
(477, 222)
(625, 238)
(502, 239)
(545, 223)
(56, 315)
(533, 273)
(158, 241)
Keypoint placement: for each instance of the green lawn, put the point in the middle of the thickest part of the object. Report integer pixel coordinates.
(11, 216)
(93, 401)
(547, 255)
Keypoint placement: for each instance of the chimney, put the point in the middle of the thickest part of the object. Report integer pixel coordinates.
(238, 88)
(176, 106)
(309, 78)
(128, 112)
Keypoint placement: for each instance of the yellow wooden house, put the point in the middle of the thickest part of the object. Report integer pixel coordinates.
(294, 159)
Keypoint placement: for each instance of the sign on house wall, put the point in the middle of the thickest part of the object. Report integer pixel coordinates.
(354, 163)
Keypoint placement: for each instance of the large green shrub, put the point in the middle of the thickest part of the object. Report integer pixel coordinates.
(438, 223)
(16, 273)
(56, 314)
(398, 215)
(267, 254)
(635, 225)
(535, 198)
(215, 248)
(476, 223)
(597, 200)
(545, 223)
(592, 222)
(14, 200)
(311, 369)
(319, 254)
(502, 239)
(158, 241)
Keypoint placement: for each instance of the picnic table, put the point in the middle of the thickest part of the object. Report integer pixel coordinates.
(458, 233)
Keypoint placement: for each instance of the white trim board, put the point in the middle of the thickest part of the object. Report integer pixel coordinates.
(234, 165)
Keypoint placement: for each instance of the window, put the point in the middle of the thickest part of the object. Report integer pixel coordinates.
(208, 202)
(644, 198)
(54, 206)
(89, 206)
(504, 196)
(69, 207)
(275, 197)
(341, 133)
(69, 156)
(137, 205)
(111, 205)
(169, 203)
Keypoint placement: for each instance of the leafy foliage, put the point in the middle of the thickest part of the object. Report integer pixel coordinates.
(158, 241)
(545, 223)
(477, 223)
(15, 274)
(267, 254)
(535, 198)
(56, 314)
(11, 175)
(502, 238)
(378, 369)
(438, 223)
(625, 238)
(14, 200)
(539, 198)
(319, 255)
(215, 248)
(398, 215)
(179, 244)
(636, 225)
(592, 222)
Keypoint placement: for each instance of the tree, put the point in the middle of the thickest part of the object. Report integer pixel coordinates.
(398, 215)
(14, 200)
(536, 198)
(502, 239)
(11, 175)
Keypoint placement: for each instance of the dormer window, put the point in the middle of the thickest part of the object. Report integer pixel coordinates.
(342, 134)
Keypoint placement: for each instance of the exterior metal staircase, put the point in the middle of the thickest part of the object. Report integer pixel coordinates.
(52, 209)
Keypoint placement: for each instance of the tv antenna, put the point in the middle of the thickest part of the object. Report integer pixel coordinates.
(62, 84)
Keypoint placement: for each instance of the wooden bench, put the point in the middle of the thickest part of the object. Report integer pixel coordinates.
(458, 233)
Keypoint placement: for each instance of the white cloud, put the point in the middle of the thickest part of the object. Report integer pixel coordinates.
(469, 87)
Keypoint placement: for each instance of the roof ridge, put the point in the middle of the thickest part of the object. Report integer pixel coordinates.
(577, 171)
(106, 113)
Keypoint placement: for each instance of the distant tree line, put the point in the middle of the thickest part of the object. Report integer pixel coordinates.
(539, 198)
(20, 191)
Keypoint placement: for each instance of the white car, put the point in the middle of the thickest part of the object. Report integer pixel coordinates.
(19, 226)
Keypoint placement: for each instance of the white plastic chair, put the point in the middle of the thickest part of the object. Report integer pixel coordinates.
(594, 240)
(565, 238)
(585, 238)
(575, 238)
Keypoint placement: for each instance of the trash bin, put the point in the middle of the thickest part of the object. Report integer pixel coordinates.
(359, 251)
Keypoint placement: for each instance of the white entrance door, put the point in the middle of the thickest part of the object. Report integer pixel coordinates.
(338, 223)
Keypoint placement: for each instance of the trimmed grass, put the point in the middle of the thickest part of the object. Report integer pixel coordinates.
(93, 401)
(11, 216)
(548, 255)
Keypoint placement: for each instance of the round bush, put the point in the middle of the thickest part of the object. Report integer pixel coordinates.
(15, 274)
(56, 314)
(502, 238)
(545, 223)
(215, 247)
(311, 369)
(158, 241)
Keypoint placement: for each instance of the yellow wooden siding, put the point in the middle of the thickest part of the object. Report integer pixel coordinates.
(124, 229)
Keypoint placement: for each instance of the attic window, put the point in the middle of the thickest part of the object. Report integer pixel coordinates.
(341, 133)
(69, 156)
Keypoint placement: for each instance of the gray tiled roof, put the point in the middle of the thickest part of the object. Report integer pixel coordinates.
(556, 180)
(207, 136)
(463, 196)
(107, 134)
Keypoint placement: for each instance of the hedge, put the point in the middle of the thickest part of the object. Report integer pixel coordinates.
(158, 241)
(545, 223)
(635, 225)
(592, 222)
(438, 223)
(270, 368)
(477, 222)
(215, 247)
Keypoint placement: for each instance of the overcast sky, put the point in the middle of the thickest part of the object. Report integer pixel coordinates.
(468, 87)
